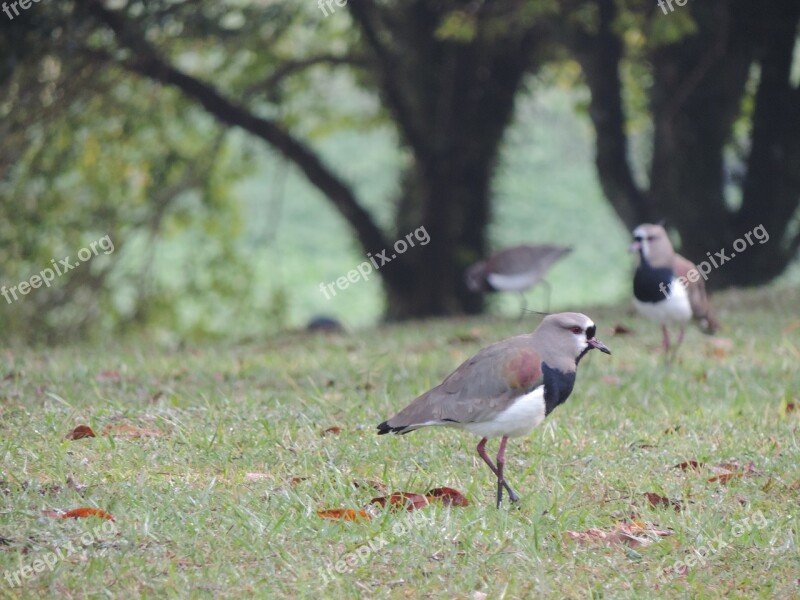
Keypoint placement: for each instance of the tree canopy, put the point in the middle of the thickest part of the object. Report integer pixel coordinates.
(116, 119)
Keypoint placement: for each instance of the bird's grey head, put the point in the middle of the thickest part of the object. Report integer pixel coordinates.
(475, 277)
(567, 337)
(652, 243)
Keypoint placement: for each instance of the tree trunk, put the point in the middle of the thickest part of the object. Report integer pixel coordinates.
(696, 96)
(452, 100)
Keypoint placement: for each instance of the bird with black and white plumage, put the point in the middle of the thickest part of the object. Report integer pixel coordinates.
(663, 290)
(506, 389)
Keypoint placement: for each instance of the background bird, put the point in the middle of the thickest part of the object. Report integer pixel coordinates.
(506, 389)
(515, 269)
(659, 294)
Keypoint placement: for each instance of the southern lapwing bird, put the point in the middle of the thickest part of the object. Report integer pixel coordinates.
(663, 290)
(506, 389)
(515, 269)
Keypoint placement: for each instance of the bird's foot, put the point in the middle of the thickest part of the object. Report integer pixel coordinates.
(512, 495)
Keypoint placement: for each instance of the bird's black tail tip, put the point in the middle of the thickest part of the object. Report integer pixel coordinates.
(385, 428)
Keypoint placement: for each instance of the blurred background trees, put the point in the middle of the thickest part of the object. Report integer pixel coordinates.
(239, 153)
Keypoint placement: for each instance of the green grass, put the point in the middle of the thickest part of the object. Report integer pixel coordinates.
(189, 523)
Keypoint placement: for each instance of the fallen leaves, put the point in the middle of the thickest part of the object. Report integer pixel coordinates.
(400, 500)
(448, 496)
(343, 514)
(104, 376)
(728, 471)
(79, 513)
(633, 535)
(410, 501)
(688, 464)
(620, 329)
(332, 430)
(406, 501)
(659, 501)
(122, 430)
(80, 432)
(722, 473)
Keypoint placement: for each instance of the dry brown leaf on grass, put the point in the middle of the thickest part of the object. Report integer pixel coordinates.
(343, 514)
(398, 501)
(688, 465)
(634, 535)
(80, 432)
(79, 513)
(103, 376)
(403, 500)
(335, 430)
(658, 501)
(727, 471)
(620, 329)
(129, 431)
(410, 501)
(448, 496)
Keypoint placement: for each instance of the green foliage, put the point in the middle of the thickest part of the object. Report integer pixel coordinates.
(457, 26)
(110, 165)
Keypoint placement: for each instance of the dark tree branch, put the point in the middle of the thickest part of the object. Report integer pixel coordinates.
(772, 184)
(600, 55)
(292, 67)
(695, 77)
(364, 14)
(145, 62)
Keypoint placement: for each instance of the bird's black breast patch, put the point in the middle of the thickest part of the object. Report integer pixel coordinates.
(649, 282)
(557, 387)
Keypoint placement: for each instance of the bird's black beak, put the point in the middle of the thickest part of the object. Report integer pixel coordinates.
(595, 343)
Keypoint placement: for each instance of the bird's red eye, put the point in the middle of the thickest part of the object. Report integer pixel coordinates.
(577, 330)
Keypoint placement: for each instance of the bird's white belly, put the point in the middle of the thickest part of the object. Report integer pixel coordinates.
(675, 308)
(518, 419)
(513, 283)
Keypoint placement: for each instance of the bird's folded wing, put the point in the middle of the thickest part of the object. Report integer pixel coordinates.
(480, 388)
(696, 290)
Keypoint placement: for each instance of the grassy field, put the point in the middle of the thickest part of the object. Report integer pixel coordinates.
(215, 468)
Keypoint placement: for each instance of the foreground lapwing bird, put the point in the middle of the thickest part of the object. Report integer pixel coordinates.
(663, 290)
(515, 269)
(506, 389)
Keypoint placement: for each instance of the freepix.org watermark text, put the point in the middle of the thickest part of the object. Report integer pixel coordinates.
(363, 271)
(65, 265)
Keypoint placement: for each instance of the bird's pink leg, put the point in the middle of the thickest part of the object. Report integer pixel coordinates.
(680, 341)
(501, 482)
(665, 342)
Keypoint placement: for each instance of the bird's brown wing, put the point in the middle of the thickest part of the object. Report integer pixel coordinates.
(698, 299)
(480, 388)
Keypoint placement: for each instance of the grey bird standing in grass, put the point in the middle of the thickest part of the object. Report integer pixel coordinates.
(663, 290)
(515, 269)
(506, 389)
